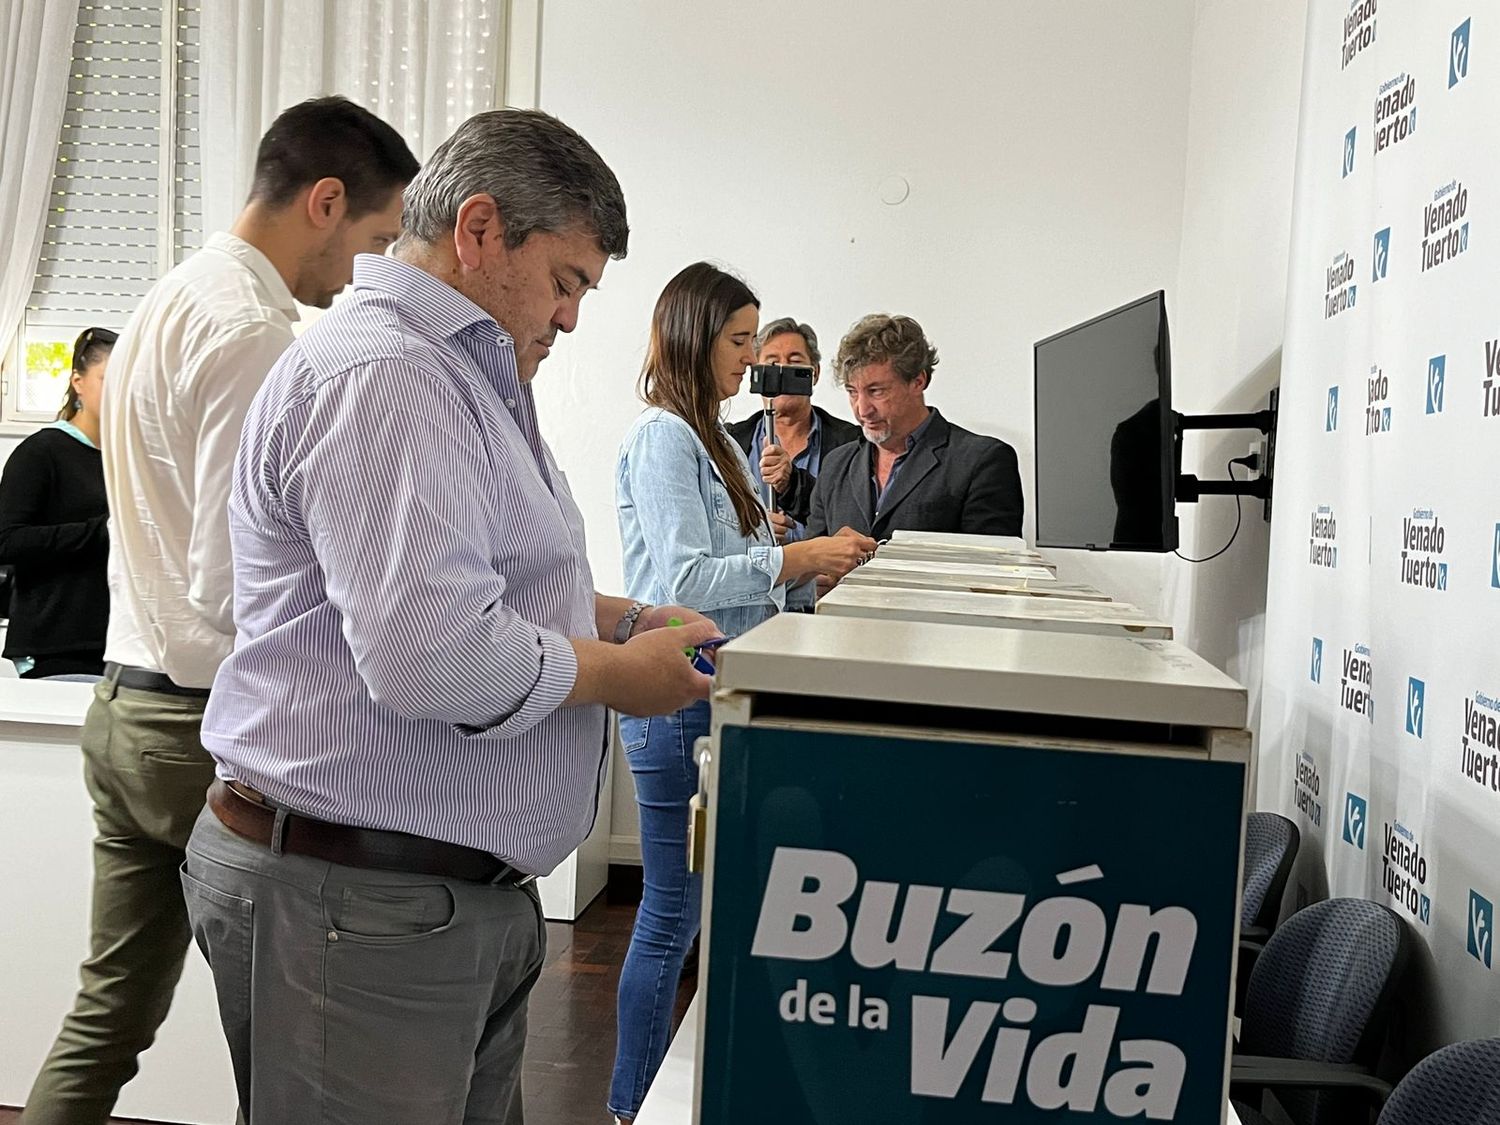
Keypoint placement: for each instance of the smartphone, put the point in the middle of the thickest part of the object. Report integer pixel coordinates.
(700, 661)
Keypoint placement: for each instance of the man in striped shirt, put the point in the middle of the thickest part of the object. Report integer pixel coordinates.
(412, 724)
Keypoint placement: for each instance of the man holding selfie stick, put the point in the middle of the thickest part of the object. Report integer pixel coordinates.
(786, 444)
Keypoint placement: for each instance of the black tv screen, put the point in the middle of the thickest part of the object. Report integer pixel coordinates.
(1105, 466)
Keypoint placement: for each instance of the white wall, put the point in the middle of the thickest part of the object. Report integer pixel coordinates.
(1228, 307)
(1044, 145)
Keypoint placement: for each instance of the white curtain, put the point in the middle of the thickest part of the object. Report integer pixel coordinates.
(421, 65)
(36, 44)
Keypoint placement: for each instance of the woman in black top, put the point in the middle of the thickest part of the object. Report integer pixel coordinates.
(53, 516)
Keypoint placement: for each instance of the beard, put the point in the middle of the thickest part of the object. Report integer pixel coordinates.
(878, 434)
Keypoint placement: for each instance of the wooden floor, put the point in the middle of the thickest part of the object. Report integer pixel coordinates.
(572, 1044)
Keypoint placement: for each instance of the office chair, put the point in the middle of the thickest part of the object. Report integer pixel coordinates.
(1271, 843)
(1456, 1085)
(1316, 1011)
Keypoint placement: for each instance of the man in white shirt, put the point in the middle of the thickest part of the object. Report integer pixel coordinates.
(328, 183)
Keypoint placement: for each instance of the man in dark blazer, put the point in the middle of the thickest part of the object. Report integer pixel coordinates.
(914, 470)
(805, 433)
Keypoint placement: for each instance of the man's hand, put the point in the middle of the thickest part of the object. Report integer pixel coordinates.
(781, 525)
(659, 617)
(656, 677)
(775, 467)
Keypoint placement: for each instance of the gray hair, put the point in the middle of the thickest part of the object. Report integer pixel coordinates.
(882, 338)
(788, 326)
(543, 177)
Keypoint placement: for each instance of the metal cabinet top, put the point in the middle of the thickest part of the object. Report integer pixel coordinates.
(1017, 670)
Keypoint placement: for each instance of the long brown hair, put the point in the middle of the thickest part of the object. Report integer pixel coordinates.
(679, 373)
(92, 345)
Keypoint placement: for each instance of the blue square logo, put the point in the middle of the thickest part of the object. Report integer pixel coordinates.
(1356, 812)
(1495, 561)
(1442, 576)
(1481, 929)
(1437, 368)
(1317, 660)
(1331, 418)
(1382, 254)
(1458, 55)
(1416, 695)
(1349, 151)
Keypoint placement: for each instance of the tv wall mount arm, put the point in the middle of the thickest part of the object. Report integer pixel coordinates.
(1189, 489)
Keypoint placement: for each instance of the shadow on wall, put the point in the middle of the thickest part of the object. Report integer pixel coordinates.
(1219, 607)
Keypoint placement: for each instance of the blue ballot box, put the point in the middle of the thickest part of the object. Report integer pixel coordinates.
(964, 875)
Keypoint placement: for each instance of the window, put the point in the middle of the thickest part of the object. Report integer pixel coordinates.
(126, 201)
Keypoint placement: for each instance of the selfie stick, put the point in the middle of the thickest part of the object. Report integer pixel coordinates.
(770, 413)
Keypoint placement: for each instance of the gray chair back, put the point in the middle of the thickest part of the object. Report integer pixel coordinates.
(1271, 843)
(1457, 1085)
(1322, 991)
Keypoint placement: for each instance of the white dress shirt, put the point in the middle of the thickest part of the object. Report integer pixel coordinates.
(178, 385)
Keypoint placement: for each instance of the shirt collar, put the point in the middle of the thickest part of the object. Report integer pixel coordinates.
(916, 435)
(442, 309)
(815, 430)
(257, 263)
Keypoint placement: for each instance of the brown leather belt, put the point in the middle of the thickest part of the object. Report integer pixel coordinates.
(247, 813)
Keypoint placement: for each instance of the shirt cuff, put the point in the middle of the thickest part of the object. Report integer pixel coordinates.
(557, 673)
(768, 560)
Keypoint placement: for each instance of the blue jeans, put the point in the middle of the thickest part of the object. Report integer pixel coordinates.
(660, 752)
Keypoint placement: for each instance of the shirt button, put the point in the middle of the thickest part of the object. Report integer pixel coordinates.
(510, 402)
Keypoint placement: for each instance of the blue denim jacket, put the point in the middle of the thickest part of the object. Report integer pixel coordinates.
(681, 538)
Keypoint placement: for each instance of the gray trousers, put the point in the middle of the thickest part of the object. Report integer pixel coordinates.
(352, 996)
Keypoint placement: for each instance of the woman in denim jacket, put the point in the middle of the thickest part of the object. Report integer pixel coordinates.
(694, 534)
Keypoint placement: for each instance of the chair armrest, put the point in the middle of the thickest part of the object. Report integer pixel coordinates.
(1261, 1072)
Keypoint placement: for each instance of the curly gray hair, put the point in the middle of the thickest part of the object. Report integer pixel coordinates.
(882, 338)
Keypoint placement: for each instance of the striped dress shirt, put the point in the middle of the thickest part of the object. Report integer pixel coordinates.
(408, 567)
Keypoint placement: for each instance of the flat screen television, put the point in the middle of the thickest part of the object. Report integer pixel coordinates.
(1105, 435)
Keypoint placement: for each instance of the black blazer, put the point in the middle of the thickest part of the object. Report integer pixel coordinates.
(952, 481)
(796, 501)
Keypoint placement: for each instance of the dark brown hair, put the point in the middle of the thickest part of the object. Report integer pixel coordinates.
(679, 373)
(92, 345)
(332, 137)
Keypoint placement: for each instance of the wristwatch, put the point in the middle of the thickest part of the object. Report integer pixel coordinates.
(627, 623)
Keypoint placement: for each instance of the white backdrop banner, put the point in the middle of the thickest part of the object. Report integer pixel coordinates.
(1382, 686)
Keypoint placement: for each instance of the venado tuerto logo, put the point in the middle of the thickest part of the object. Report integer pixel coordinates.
(1437, 373)
(1323, 540)
(1445, 225)
(1423, 541)
(1481, 936)
(1403, 871)
(1339, 290)
(1359, 31)
(1356, 816)
(1395, 112)
(1416, 706)
(1381, 255)
(1350, 139)
(1458, 54)
(1331, 411)
(1316, 672)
